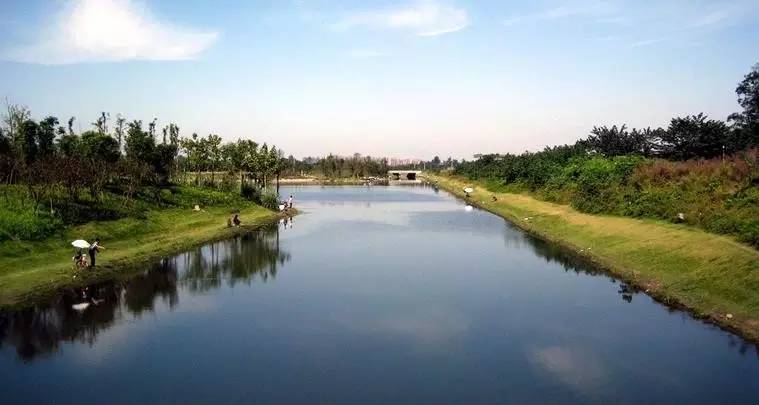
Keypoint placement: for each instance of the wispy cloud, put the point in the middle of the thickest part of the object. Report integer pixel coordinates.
(427, 18)
(110, 30)
(573, 9)
(713, 18)
(646, 42)
(363, 53)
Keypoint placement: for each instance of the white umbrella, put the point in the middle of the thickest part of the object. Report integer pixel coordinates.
(81, 244)
(468, 190)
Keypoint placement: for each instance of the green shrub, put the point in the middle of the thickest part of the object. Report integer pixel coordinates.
(721, 196)
(269, 199)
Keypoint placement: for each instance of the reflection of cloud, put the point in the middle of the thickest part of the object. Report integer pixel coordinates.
(428, 327)
(577, 368)
(117, 340)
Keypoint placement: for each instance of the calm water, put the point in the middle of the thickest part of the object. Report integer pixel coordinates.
(386, 294)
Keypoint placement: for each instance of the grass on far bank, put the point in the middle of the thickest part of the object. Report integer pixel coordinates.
(35, 268)
(711, 275)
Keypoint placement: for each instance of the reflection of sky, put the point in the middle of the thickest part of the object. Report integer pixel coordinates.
(406, 297)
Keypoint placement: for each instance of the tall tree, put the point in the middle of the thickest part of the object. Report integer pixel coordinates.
(746, 122)
(46, 136)
(694, 136)
(119, 130)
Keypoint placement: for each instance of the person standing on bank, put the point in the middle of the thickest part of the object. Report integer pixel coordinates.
(94, 250)
(290, 202)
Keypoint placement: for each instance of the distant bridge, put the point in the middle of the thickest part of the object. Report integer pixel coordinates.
(404, 175)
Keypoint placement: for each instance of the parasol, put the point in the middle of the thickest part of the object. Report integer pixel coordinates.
(81, 244)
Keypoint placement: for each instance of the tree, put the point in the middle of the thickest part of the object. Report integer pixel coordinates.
(68, 145)
(746, 123)
(101, 124)
(119, 130)
(140, 145)
(99, 146)
(618, 141)
(46, 136)
(694, 136)
(213, 146)
(196, 152)
(28, 138)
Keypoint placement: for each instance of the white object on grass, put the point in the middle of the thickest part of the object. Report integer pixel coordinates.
(81, 244)
(469, 190)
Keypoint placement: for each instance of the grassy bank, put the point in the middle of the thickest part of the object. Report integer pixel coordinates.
(30, 269)
(714, 276)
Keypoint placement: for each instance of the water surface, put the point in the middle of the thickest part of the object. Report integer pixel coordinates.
(386, 294)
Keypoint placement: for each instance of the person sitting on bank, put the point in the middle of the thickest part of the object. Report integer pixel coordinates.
(236, 220)
(79, 259)
(95, 248)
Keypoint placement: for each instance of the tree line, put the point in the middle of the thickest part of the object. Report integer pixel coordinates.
(690, 137)
(126, 156)
(355, 166)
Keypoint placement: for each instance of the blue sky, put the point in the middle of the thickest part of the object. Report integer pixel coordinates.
(397, 78)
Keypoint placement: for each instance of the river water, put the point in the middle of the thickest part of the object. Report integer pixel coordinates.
(373, 294)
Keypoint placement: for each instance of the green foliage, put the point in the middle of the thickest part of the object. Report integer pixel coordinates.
(21, 219)
(719, 196)
(695, 136)
(97, 145)
(269, 199)
(746, 122)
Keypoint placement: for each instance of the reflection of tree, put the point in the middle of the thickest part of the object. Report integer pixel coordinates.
(239, 259)
(39, 330)
(554, 253)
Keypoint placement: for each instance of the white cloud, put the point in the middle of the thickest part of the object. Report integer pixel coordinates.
(426, 18)
(110, 30)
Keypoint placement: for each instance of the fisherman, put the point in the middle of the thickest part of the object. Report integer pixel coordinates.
(290, 202)
(94, 250)
(236, 220)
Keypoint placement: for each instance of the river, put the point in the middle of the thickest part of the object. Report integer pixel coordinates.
(372, 294)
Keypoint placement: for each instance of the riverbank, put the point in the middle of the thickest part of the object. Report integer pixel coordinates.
(35, 269)
(712, 276)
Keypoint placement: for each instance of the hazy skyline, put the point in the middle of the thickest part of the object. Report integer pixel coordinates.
(395, 78)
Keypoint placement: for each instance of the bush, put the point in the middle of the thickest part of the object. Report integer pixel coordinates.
(20, 220)
(721, 196)
(27, 225)
(270, 199)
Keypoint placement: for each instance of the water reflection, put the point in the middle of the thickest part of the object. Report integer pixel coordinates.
(553, 253)
(79, 315)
